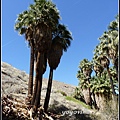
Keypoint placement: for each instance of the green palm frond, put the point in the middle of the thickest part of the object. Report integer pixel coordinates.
(62, 37)
(41, 11)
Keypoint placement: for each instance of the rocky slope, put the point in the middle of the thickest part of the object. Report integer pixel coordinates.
(15, 84)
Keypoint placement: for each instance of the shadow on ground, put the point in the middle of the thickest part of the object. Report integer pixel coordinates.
(68, 114)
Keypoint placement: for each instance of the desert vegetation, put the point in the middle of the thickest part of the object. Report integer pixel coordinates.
(48, 39)
(100, 89)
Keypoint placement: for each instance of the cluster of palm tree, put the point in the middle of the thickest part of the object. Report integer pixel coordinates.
(47, 39)
(104, 64)
(85, 74)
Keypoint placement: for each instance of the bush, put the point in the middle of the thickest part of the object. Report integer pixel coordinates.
(62, 92)
(78, 95)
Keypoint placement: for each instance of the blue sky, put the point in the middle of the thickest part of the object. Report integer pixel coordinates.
(86, 19)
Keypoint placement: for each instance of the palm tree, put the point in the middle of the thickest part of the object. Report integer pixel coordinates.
(110, 46)
(109, 39)
(61, 41)
(84, 86)
(101, 57)
(96, 80)
(85, 74)
(43, 17)
(43, 35)
(23, 20)
(105, 64)
(86, 67)
(100, 87)
(31, 73)
(43, 39)
(107, 50)
(113, 33)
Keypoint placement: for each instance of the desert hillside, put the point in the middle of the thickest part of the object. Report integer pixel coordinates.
(15, 85)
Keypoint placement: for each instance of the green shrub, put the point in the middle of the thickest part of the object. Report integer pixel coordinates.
(78, 95)
(62, 92)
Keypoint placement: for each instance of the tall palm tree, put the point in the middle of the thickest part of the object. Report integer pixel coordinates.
(113, 30)
(107, 51)
(30, 84)
(43, 17)
(61, 41)
(24, 26)
(43, 39)
(110, 47)
(110, 41)
(105, 63)
(43, 36)
(86, 69)
(95, 84)
(101, 57)
(84, 86)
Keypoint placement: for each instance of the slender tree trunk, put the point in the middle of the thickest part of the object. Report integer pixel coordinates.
(95, 104)
(35, 90)
(30, 83)
(47, 98)
(36, 78)
(94, 98)
(90, 98)
(90, 94)
(39, 86)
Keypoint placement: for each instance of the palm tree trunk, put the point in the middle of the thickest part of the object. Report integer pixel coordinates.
(30, 83)
(39, 86)
(47, 98)
(90, 94)
(90, 98)
(36, 78)
(95, 104)
(35, 89)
